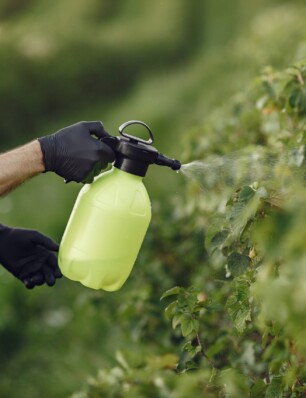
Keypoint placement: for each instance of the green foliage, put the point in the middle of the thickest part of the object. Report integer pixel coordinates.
(241, 320)
(184, 310)
(258, 240)
(230, 240)
(238, 305)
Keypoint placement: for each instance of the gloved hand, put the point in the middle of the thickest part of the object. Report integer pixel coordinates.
(29, 256)
(74, 154)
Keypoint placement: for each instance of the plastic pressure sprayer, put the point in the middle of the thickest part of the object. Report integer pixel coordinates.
(111, 216)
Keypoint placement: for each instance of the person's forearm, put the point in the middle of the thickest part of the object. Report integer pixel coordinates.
(20, 164)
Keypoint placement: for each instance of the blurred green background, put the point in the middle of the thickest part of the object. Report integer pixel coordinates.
(169, 63)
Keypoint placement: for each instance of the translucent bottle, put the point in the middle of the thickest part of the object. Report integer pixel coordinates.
(111, 216)
(105, 230)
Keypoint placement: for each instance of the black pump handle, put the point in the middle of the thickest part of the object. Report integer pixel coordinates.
(133, 138)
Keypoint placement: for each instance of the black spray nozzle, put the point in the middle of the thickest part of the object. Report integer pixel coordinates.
(163, 160)
(134, 155)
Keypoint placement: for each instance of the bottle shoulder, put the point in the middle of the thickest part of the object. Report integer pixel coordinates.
(116, 186)
(119, 177)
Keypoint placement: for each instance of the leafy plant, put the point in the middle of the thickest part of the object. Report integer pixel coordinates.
(230, 241)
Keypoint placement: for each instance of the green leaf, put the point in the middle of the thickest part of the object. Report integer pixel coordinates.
(238, 305)
(196, 325)
(218, 240)
(237, 263)
(246, 194)
(276, 353)
(258, 389)
(171, 292)
(294, 97)
(192, 299)
(192, 349)
(188, 346)
(177, 319)
(171, 309)
(191, 365)
(275, 388)
(188, 326)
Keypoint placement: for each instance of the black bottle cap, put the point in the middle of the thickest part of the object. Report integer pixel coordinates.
(134, 155)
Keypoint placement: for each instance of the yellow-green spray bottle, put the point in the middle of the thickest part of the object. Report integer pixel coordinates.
(110, 217)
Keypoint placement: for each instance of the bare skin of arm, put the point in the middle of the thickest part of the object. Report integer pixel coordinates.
(19, 165)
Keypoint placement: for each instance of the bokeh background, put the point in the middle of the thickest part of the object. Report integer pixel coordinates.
(170, 63)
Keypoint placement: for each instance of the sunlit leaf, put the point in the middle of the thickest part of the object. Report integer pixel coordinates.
(176, 320)
(171, 292)
(171, 309)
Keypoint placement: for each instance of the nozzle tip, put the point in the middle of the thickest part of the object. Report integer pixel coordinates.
(163, 160)
(176, 165)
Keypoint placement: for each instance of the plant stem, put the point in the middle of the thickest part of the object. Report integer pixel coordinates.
(203, 352)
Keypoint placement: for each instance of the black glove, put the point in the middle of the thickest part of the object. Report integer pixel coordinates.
(29, 256)
(74, 154)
